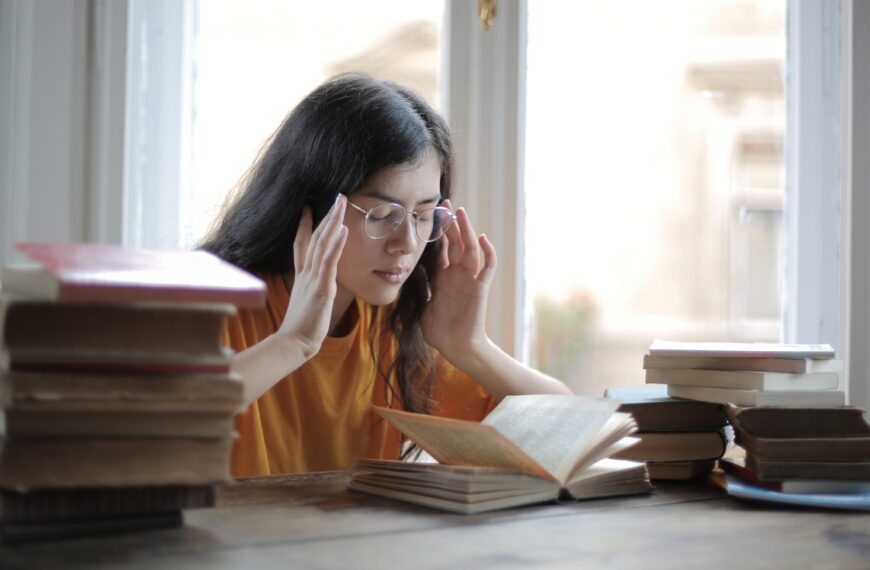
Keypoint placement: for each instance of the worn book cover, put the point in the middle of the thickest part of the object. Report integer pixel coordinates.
(772, 421)
(679, 470)
(654, 410)
(53, 463)
(786, 365)
(661, 347)
(86, 272)
(786, 398)
(133, 331)
(744, 379)
(676, 446)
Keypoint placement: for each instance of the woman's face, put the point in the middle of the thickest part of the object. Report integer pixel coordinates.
(375, 269)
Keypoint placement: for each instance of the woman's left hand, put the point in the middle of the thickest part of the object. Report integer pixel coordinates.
(454, 321)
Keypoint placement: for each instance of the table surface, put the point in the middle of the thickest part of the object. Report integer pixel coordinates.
(312, 521)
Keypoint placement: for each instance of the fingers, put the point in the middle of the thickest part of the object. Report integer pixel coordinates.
(471, 251)
(443, 260)
(454, 242)
(490, 261)
(303, 237)
(326, 236)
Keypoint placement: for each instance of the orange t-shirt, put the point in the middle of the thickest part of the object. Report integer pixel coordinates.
(319, 418)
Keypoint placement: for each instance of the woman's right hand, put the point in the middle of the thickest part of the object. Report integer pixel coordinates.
(315, 257)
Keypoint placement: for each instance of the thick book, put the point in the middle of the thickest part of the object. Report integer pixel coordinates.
(776, 470)
(99, 273)
(101, 502)
(52, 463)
(90, 423)
(832, 448)
(786, 365)
(654, 410)
(741, 349)
(40, 405)
(793, 398)
(798, 422)
(736, 466)
(529, 449)
(676, 446)
(740, 489)
(679, 470)
(18, 532)
(132, 331)
(743, 379)
(127, 393)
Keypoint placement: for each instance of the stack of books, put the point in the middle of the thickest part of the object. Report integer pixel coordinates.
(118, 400)
(679, 439)
(802, 451)
(747, 374)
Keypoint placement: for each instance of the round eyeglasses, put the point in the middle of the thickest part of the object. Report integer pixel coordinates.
(384, 219)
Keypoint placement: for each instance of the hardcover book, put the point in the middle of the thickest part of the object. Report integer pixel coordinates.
(807, 422)
(529, 449)
(113, 274)
(57, 463)
(654, 410)
(792, 398)
(676, 446)
(744, 379)
(740, 349)
(785, 365)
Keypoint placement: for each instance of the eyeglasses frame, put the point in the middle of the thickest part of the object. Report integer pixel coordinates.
(414, 215)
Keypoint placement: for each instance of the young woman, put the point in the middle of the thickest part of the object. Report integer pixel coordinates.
(376, 289)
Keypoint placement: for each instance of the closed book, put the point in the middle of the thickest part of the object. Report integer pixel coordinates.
(830, 448)
(795, 398)
(786, 365)
(741, 349)
(679, 470)
(18, 532)
(51, 463)
(808, 422)
(676, 446)
(654, 410)
(744, 380)
(776, 470)
(113, 331)
(94, 502)
(101, 362)
(92, 423)
(737, 468)
(84, 272)
(39, 392)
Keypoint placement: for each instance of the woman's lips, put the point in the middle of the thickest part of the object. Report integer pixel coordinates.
(392, 275)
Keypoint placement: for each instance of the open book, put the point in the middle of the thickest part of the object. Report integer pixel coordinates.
(529, 449)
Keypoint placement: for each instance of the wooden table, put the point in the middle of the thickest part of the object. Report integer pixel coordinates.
(313, 522)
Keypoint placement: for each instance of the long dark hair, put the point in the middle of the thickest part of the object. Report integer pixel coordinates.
(339, 136)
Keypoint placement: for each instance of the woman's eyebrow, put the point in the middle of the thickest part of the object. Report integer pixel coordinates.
(388, 198)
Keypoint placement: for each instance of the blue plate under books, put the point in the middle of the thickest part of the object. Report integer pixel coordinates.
(852, 501)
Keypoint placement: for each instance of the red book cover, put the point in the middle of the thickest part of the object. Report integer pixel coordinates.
(115, 274)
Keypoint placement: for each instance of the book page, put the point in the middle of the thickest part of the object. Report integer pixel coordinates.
(555, 431)
(457, 442)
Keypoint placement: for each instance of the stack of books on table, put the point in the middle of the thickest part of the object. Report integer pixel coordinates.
(812, 456)
(679, 439)
(118, 400)
(747, 374)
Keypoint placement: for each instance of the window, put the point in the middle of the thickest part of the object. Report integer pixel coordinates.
(255, 60)
(655, 180)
